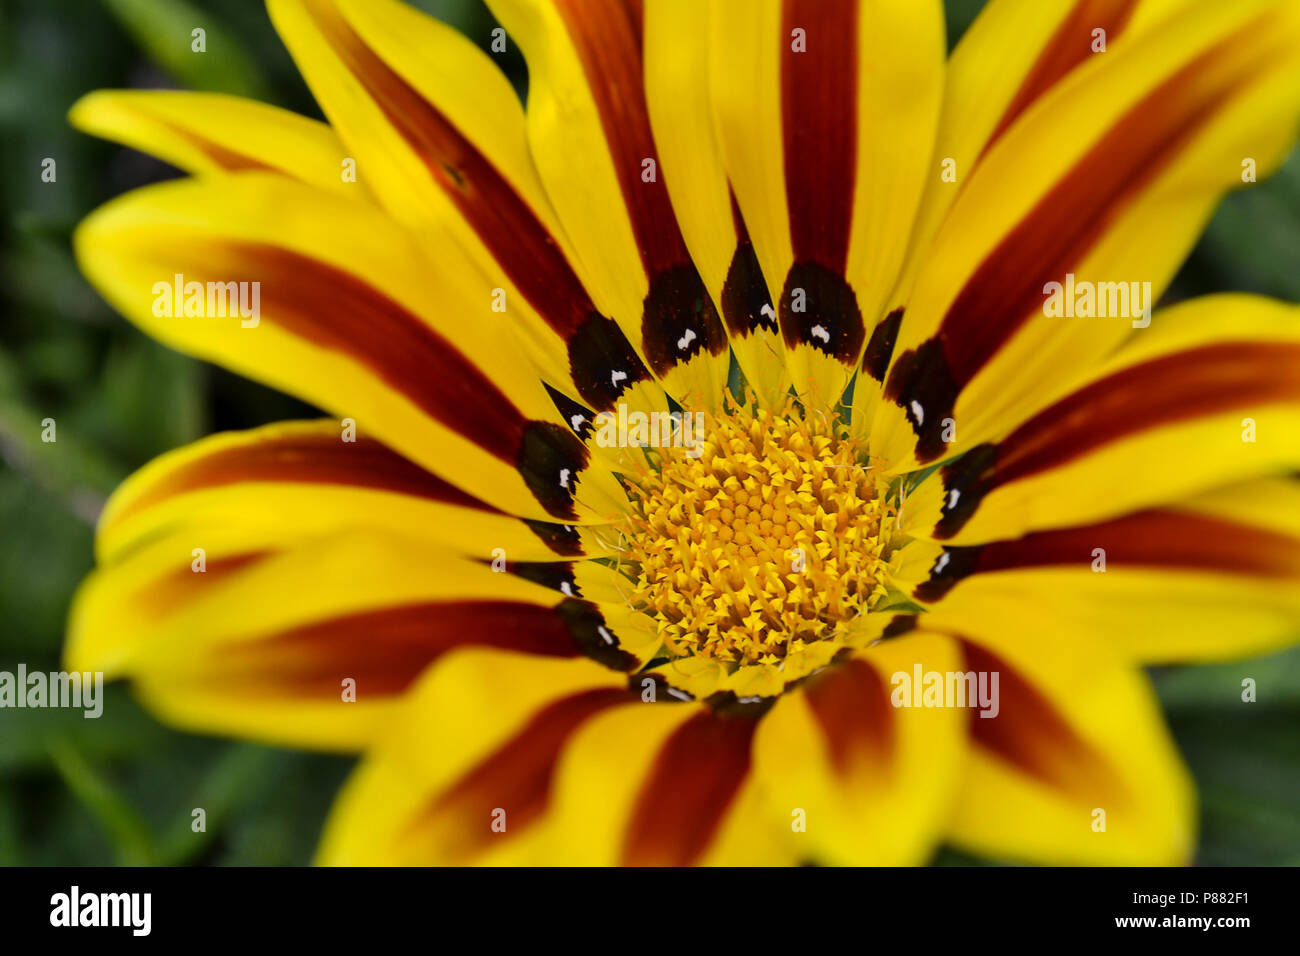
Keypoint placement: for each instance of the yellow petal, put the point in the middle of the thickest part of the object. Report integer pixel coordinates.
(438, 134)
(663, 784)
(263, 644)
(590, 134)
(1208, 397)
(1214, 577)
(1076, 767)
(285, 482)
(681, 115)
(215, 133)
(869, 783)
(464, 774)
(1108, 179)
(339, 313)
(802, 92)
(1014, 53)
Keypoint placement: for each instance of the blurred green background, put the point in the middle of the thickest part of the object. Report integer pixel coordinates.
(120, 789)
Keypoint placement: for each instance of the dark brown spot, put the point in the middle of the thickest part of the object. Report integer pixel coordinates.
(561, 538)
(880, 347)
(818, 308)
(679, 320)
(603, 362)
(593, 635)
(579, 418)
(745, 302)
(901, 624)
(921, 384)
(551, 460)
(556, 575)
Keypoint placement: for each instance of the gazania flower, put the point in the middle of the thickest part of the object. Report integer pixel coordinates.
(889, 576)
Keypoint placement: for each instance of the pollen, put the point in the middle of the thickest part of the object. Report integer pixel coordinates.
(771, 532)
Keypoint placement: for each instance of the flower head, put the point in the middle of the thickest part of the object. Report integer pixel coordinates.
(759, 449)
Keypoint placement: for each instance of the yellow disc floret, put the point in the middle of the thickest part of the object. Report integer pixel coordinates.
(767, 535)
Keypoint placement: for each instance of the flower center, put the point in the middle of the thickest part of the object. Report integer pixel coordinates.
(765, 534)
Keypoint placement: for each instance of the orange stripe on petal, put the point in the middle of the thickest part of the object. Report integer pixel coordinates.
(1070, 46)
(514, 235)
(1169, 389)
(1006, 291)
(387, 649)
(227, 159)
(820, 119)
(1030, 734)
(307, 458)
(851, 704)
(515, 779)
(1152, 539)
(338, 311)
(608, 38)
(342, 312)
(819, 115)
(181, 586)
(694, 781)
(607, 35)
(510, 230)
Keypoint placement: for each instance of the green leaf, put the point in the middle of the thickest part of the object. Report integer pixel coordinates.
(164, 29)
(122, 732)
(1245, 756)
(122, 824)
